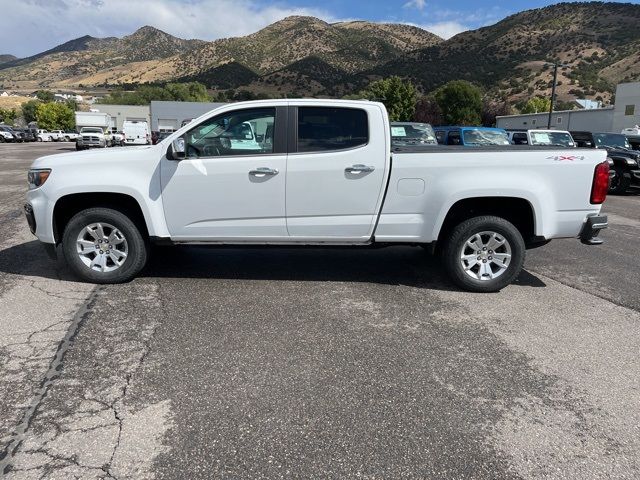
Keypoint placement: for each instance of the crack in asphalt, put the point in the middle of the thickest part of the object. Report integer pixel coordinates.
(53, 372)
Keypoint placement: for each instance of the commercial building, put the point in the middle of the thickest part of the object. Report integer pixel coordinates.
(625, 114)
(593, 120)
(121, 113)
(168, 116)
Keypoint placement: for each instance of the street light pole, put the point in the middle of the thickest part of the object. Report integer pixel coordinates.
(553, 93)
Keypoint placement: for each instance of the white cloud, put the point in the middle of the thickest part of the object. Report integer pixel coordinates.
(445, 29)
(31, 26)
(419, 4)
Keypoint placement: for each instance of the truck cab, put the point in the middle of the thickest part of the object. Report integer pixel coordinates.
(471, 136)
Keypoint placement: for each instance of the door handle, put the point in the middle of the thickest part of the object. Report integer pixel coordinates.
(263, 171)
(359, 168)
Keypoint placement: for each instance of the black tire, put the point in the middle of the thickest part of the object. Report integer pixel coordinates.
(78, 147)
(136, 243)
(619, 183)
(39, 139)
(2, 140)
(456, 240)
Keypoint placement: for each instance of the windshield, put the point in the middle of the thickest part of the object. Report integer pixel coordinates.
(485, 137)
(412, 134)
(91, 130)
(561, 139)
(616, 140)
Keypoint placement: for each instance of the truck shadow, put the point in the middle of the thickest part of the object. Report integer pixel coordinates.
(410, 266)
(401, 265)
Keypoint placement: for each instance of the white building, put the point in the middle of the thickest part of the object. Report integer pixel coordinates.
(593, 120)
(121, 113)
(625, 114)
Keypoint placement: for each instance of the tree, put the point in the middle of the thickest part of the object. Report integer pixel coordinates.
(29, 110)
(428, 111)
(460, 102)
(181, 92)
(398, 96)
(8, 115)
(492, 109)
(55, 116)
(536, 105)
(45, 95)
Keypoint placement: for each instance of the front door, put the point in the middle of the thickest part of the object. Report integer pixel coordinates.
(231, 184)
(336, 171)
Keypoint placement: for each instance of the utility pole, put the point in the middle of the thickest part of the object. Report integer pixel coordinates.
(553, 93)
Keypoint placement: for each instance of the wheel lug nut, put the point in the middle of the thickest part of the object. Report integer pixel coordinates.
(478, 258)
(484, 261)
(484, 248)
(490, 258)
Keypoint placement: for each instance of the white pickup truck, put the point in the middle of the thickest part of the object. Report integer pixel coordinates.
(321, 172)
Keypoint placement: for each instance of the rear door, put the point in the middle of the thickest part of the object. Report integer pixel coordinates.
(336, 171)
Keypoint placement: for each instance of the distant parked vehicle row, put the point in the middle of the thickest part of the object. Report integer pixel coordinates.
(558, 138)
(471, 136)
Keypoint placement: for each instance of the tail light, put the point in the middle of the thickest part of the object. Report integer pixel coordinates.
(600, 183)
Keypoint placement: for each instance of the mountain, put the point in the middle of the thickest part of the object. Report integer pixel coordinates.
(598, 44)
(69, 64)
(7, 58)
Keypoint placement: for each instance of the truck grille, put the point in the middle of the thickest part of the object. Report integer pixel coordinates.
(90, 139)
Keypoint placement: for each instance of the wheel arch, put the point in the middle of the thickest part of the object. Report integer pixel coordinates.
(69, 205)
(517, 210)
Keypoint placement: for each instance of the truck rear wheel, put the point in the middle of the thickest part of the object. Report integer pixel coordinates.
(102, 245)
(484, 254)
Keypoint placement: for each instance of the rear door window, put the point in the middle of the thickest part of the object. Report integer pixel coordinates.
(322, 129)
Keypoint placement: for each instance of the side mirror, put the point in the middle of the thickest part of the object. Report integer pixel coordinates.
(176, 150)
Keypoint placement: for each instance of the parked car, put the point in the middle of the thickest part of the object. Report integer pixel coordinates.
(326, 178)
(405, 134)
(70, 135)
(24, 134)
(136, 133)
(625, 162)
(117, 139)
(558, 138)
(634, 141)
(57, 135)
(93, 137)
(162, 135)
(19, 134)
(7, 134)
(29, 134)
(633, 131)
(44, 136)
(471, 136)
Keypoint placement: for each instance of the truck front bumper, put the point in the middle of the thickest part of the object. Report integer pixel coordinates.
(591, 228)
(635, 177)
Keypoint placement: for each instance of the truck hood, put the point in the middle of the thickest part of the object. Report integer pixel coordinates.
(102, 155)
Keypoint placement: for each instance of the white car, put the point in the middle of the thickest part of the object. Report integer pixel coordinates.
(540, 138)
(323, 174)
(44, 136)
(633, 131)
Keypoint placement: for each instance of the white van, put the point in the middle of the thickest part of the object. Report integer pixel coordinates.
(136, 133)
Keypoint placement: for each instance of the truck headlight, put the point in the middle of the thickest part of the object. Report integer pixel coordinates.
(631, 162)
(37, 176)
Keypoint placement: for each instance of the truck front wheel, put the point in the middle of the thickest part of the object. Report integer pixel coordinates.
(484, 254)
(102, 245)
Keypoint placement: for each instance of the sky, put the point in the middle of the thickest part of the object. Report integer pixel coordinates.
(28, 27)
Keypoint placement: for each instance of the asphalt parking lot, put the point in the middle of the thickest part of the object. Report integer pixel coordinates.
(318, 363)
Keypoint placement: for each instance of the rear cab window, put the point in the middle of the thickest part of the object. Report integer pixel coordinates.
(325, 129)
